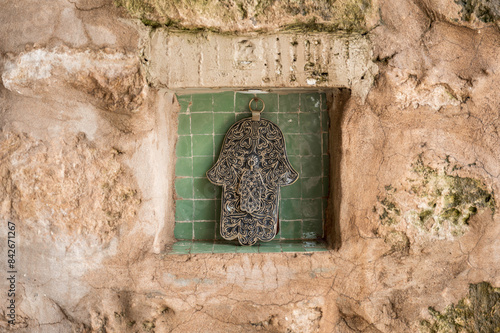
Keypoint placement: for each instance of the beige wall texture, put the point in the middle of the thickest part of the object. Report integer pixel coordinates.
(88, 122)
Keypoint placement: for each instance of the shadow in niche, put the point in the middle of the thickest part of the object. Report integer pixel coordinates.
(336, 104)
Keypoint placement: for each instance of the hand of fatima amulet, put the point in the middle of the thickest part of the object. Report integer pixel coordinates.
(251, 168)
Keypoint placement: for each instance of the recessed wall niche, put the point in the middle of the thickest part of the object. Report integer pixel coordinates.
(185, 64)
(202, 123)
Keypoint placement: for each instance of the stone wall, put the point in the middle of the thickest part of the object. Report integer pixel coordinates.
(88, 131)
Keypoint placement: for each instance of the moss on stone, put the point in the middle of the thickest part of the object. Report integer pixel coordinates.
(299, 15)
(425, 215)
(451, 215)
(478, 312)
(390, 211)
(136, 8)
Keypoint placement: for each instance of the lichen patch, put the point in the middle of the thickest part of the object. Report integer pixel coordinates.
(434, 202)
(479, 311)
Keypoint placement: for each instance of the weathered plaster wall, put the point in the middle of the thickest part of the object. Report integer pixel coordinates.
(86, 175)
(178, 61)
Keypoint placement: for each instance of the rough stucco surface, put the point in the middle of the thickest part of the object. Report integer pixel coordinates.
(86, 175)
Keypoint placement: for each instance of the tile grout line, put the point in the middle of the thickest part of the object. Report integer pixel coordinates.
(192, 163)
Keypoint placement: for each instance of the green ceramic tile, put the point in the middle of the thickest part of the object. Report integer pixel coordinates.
(224, 248)
(272, 117)
(291, 229)
(325, 205)
(201, 164)
(296, 163)
(267, 247)
(222, 122)
(310, 144)
(217, 228)
(292, 143)
(271, 102)
(203, 145)
(204, 230)
(326, 165)
(312, 229)
(314, 246)
(218, 144)
(179, 251)
(184, 102)
(184, 243)
(184, 188)
(243, 115)
(289, 122)
(325, 121)
(292, 247)
(218, 191)
(325, 143)
(316, 249)
(310, 123)
(309, 102)
(181, 248)
(312, 208)
(204, 210)
(184, 166)
(326, 186)
(324, 106)
(202, 103)
(312, 187)
(291, 191)
(278, 233)
(289, 103)
(203, 189)
(183, 146)
(217, 208)
(311, 243)
(183, 230)
(241, 102)
(184, 124)
(248, 249)
(224, 102)
(202, 123)
(184, 210)
(312, 166)
(202, 247)
(290, 209)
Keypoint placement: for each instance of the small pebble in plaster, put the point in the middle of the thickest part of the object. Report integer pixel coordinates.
(311, 82)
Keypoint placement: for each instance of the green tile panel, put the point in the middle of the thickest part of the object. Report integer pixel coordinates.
(183, 230)
(224, 102)
(203, 121)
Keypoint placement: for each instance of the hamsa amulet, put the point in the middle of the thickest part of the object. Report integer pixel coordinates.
(251, 168)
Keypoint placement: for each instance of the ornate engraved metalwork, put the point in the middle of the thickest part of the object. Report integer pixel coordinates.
(251, 168)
